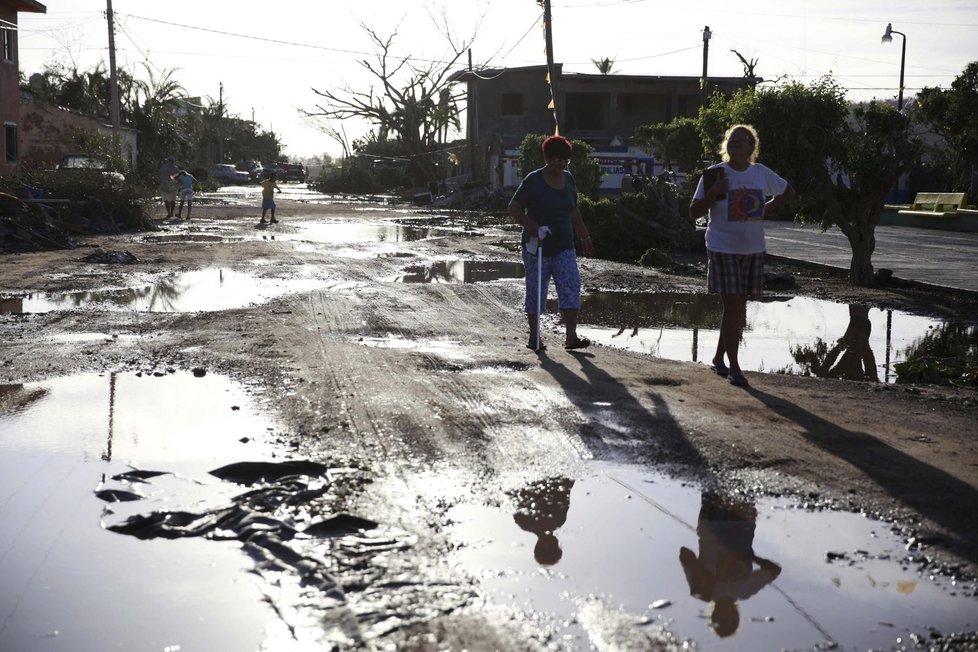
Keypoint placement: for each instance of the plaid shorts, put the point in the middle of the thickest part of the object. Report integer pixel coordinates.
(562, 267)
(735, 273)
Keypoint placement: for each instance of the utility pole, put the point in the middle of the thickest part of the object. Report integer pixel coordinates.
(472, 102)
(220, 122)
(704, 91)
(549, 36)
(113, 78)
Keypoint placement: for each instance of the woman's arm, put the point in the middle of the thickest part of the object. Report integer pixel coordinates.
(587, 246)
(700, 207)
(778, 201)
(522, 219)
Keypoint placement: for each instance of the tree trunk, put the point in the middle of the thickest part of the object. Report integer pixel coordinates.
(863, 243)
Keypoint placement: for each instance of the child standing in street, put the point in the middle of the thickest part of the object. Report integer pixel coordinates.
(185, 182)
(268, 188)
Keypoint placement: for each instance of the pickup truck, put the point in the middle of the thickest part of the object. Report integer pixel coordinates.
(81, 163)
(293, 171)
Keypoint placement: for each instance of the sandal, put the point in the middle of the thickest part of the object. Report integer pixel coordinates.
(532, 345)
(720, 369)
(578, 343)
(738, 379)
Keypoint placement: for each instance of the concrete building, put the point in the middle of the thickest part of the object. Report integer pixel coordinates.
(604, 110)
(9, 82)
(46, 133)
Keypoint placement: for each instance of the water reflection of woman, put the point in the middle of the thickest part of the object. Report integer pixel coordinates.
(541, 509)
(724, 571)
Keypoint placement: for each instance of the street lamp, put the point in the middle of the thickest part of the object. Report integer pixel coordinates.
(888, 38)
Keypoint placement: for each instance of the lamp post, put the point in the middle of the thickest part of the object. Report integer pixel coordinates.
(888, 38)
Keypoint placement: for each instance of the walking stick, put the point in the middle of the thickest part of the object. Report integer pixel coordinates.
(541, 234)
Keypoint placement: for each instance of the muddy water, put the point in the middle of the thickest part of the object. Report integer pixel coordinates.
(797, 335)
(622, 545)
(70, 584)
(200, 290)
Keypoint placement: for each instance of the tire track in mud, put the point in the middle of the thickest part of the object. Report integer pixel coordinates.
(459, 403)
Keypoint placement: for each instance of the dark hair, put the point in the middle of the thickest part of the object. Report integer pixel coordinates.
(556, 147)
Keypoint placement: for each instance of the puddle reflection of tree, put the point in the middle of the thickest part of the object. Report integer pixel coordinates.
(947, 353)
(161, 296)
(17, 398)
(852, 355)
(462, 271)
(726, 569)
(541, 508)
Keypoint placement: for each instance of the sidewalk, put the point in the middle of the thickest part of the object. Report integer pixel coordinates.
(943, 258)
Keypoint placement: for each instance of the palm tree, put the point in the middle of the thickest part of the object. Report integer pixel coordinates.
(604, 66)
(162, 130)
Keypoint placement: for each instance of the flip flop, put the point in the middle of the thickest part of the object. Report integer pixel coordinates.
(532, 345)
(578, 343)
(738, 379)
(720, 369)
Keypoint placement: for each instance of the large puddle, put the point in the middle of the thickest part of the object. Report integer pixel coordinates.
(199, 290)
(69, 583)
(796, 335)
(624, 546)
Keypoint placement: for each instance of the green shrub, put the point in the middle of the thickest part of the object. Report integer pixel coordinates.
(947, 354)
(587, 173)
(625, 227)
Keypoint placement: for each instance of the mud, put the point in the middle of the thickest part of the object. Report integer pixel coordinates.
(421, 400)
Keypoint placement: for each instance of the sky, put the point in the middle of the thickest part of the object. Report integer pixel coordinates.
(268, 57)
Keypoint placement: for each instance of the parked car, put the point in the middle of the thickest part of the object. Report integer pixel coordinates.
(226, 174)
(78, 164)
(294, 172)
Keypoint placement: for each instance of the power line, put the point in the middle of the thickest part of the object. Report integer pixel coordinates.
(280, 41)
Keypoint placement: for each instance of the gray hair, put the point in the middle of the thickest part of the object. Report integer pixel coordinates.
(755, 141)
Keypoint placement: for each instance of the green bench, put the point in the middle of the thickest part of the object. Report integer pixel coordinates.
(936, 204)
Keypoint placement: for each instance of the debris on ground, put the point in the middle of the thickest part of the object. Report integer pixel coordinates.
(111, 257)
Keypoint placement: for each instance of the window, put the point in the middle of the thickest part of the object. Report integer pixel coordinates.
(649, 107)
(9, 142)
(512, 104)
(8, 44)
(587, 111)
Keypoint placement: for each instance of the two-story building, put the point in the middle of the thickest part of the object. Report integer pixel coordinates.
(604, 110)
(9, 81)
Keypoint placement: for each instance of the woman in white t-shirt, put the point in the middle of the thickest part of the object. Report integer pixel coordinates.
(736, 194)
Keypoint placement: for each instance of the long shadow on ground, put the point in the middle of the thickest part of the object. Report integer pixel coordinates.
(931, 491)
(620, 426)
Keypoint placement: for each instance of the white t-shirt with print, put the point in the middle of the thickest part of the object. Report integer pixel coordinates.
(736, 222)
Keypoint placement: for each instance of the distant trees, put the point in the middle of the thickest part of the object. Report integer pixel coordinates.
(411, 106)
(157, 107)
(952, 114)
(677, 142)
(843, 160)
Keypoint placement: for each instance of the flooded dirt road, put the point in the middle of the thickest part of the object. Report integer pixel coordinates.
(328, 434)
